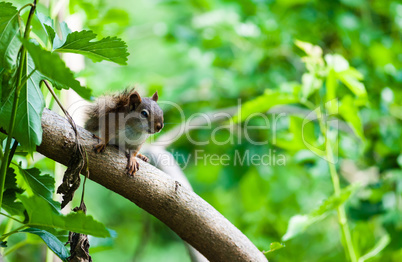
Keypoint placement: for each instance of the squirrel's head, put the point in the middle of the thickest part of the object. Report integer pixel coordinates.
(147, 111)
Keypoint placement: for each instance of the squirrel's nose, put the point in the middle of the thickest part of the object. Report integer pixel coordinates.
(159, 126)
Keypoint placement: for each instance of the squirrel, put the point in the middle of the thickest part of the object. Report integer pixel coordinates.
(125, 120)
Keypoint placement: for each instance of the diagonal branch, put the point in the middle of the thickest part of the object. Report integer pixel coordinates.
(175, 172)
(193, 219)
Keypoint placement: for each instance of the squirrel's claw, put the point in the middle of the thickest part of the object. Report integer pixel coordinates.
(100, 147)
(143, 158)
(132, 165)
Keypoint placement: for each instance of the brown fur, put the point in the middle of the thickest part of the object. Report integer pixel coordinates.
(106, 105)
(129, 101)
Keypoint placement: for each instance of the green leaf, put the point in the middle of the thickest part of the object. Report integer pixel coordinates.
(334, 201)
(299, 223)
(111, 49)
(59, 40)
(53, 68)
(313, 61)
(309, 49)
(331, 85)
(310, 84)
(41, 214)
(9, 32)
(351, 79)
(48, 26)
(273, 247)
(263, 103)
(300, 135)
(10, 195)
(2, 137)
(51, 241)
(10, 205)
(11, 181)
(349, 111)
(336, 62)
(28, 128)
(41, 185)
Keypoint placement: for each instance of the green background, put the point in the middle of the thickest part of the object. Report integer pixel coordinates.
(204, 56)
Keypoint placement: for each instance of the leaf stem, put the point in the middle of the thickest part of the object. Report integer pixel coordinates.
(21, 67)
(12, 152)
(3, 214)
(22, 8)
(11, 232)
(342, 218)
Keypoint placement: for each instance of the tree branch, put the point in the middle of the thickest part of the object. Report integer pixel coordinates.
(174, 171)
(193, 219)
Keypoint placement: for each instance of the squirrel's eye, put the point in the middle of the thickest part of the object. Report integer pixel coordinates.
(144, 113)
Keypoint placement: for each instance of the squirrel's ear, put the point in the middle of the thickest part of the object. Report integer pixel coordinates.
(135, 99)
(155, 96)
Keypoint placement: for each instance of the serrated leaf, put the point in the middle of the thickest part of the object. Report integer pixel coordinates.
(9, 32)
(263, 103)
(51, 241)
(41, 185)
(41, 214)
(10, 205)
(299, 223)
(28, 128)
(54, 69)
(10, 195)
(274, 246)
(11, 181)
(110, 49)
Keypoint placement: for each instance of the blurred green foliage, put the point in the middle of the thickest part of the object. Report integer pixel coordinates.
(206, 54)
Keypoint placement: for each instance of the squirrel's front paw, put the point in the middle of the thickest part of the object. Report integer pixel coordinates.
(132, 165)
(143, 158)
(100, 147)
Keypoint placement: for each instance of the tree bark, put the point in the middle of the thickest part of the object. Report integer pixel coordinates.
(193, 219)
(175, 172)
